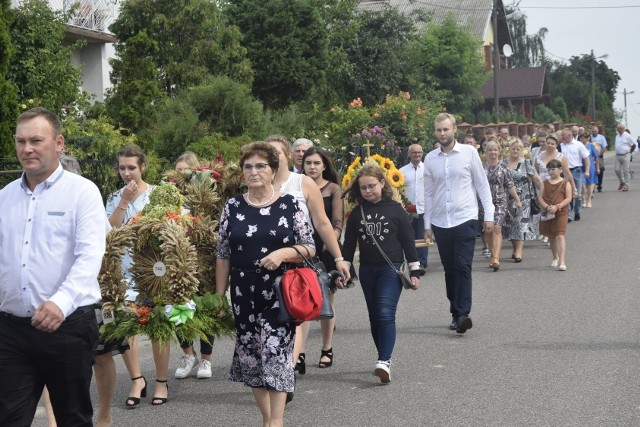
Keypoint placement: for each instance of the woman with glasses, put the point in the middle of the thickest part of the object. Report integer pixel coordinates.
(308, 195)
(386, 221)
(261, 231)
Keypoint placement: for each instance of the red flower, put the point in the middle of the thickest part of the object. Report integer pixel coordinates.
(411, 209)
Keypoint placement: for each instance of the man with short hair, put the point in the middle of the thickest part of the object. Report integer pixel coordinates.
(575, 132)
(414, 190)
(624, 147)
(454, 179)
(52, 239)
(577, 157)
(299, 147)
(600, 142)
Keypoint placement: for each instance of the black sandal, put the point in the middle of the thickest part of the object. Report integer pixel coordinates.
(329, 355)
(157, 401)
(301, 366)
(136, 400)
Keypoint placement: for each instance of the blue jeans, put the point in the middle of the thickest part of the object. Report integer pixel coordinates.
(418, 230)
(381, 287)
(456, 246)
(576, 204)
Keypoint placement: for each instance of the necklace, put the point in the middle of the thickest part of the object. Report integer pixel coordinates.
(259, 205)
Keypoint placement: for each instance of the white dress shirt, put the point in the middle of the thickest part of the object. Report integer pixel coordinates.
(453, 182)
(414, 182)
(52, 240)
(574, 153)
(624, 143)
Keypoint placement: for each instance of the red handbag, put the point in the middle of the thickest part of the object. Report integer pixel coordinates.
(301, 293)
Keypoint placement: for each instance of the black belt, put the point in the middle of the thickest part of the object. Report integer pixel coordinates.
(623, 154)
(79, 312)
(577, 167)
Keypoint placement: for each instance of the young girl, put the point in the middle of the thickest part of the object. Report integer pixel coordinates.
(554, 197)
(387, 223)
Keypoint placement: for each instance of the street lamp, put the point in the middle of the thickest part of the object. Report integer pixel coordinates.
(516, 15)
(593, 82)
(625, 93)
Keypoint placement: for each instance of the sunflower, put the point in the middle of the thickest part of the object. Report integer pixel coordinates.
(387, 165)
(378, 159)
(346, 181)
(396, 178)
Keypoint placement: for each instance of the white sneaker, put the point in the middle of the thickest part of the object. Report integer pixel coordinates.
(204, 369)
(187, 362)
(554, 263)
(383, 371)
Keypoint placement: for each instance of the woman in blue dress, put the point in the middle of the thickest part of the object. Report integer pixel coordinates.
(590, 182)
(258, 231)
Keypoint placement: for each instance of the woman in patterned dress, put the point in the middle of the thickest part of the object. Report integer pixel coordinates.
(257, 233)
(523, 226)
(501, 185)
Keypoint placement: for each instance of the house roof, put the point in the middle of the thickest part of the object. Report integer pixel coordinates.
(518, 83)
(476, 14)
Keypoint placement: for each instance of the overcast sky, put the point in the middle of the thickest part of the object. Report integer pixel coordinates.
(610, 27)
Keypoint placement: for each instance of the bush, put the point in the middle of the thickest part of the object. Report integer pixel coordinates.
(543, 114)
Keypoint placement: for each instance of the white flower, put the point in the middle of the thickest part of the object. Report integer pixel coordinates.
(265, 211)
(252, 229)
(264, 250)
(283, 221)
(240, 216)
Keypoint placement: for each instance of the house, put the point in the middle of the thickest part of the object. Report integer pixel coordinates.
(90, 23)
(519, 88)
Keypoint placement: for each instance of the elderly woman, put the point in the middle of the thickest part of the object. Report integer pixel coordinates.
(522, 227)
(501, 185)
(258, 233)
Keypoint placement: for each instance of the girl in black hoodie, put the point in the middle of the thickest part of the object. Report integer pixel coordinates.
(389, 224)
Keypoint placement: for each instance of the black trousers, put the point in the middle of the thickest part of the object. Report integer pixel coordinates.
(456, 246)
(62, 360)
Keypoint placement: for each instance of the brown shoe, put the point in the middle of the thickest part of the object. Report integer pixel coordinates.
(620, 187)
(625, 188)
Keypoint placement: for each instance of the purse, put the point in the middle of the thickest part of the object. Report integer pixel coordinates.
(303, 292)
(403, 271)
(534, 204)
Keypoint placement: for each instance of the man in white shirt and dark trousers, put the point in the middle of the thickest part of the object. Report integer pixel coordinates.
(414, 190)
(453, 176)
(577, 157)
(52, 239)
(624, 147)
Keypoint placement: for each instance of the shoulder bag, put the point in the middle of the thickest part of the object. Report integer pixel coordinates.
(303, 292)
(403, 271)
(534, 206)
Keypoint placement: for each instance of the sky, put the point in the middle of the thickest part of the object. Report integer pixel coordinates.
(608, 27)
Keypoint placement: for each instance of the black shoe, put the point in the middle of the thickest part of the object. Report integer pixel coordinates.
(135, 401)
(453, 325)
(577, 217)
(463, 323)
(599, 190)
(301, 366)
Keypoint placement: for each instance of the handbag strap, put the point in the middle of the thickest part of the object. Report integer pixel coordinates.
(366, 230)
(306, 260)
(526, 168)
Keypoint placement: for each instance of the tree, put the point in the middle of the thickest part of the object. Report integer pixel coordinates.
(528, 49)
(41, 67)
(287, 45)
(447, 59)
(378, 55)
(8, 92)
(168, 46)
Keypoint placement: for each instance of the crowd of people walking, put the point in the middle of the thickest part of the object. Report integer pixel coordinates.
(496, 187)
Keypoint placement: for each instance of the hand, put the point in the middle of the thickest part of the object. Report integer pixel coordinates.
(428, 234)
(488, 227)
(130, 191)
(587, 174)
(272, 261)
(415, 281)
(343, 267)
(575, 194)
(552, 209)
(48, 317)
(519, 204)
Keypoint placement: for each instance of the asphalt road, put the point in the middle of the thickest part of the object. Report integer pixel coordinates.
(547, 348)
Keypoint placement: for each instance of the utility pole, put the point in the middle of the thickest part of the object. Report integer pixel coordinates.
(593, 86)
(625, 93)
(496, 62)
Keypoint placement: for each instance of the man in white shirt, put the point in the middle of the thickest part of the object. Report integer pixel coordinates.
(52, 239)
(414, 190)
(577, 157)
(454, 179)
(600, 142)
(298, 148)
(624, 147)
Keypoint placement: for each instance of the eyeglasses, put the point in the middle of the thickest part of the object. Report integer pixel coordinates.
(369, 187)
(259, 167)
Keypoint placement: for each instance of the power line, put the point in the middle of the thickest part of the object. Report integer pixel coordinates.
(580, 7)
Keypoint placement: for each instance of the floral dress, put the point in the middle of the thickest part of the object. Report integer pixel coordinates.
(263, 355)
(523, 226)
(500, 182)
